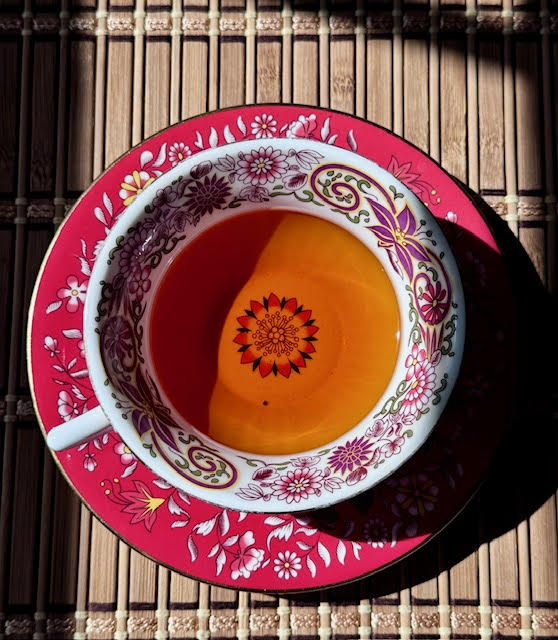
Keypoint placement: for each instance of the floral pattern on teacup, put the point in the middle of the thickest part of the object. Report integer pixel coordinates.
(301, 174)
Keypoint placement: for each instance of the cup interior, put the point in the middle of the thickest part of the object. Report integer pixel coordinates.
(217, 186)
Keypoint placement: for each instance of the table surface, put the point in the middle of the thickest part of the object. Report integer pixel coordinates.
(472, 85)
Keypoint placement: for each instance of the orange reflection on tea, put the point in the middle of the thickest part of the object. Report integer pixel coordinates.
(274, 332)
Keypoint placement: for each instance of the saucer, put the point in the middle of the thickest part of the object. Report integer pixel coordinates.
(280, 551)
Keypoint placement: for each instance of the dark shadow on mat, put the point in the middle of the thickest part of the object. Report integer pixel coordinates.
(523, 473)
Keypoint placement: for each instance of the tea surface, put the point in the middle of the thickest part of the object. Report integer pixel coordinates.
(274, 332)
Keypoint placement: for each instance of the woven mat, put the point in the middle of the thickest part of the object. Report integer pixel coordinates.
(473, 85)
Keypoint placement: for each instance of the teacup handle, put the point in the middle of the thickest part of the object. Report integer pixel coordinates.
(85, 427)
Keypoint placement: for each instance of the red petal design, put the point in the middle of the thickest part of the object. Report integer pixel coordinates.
(256, 307)
(290, 305)
(307, 347)
(248, 356)
(242, 338)
(273, 301)
(303, 316)
(298, 360)
(247, 322)
(265, 368)
(306, 332)
(284, 368)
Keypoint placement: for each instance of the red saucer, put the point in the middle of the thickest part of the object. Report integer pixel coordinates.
(276, 552)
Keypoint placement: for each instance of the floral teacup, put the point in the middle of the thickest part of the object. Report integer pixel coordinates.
(281, 173)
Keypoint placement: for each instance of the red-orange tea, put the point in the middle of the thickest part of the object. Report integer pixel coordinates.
(274, 332)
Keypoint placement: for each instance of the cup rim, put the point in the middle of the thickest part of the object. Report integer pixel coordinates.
(135, 211)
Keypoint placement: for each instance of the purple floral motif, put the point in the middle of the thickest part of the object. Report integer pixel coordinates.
(140, 282)
(204, 196)
(165, 197)
(148, 413)
(116, 338)
(134, 251)
(396, 233)
(353, 454)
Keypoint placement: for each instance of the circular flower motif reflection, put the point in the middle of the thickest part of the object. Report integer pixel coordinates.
(276, 336)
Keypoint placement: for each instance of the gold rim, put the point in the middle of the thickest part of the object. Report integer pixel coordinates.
(30, 368)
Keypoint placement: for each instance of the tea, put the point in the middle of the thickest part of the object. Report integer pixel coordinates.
(274, 332)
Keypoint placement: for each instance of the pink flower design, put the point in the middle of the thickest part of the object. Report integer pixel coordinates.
(51, 345)
(303, 127)
(67, 408)
(353, 454)
(297, 485)
(126, 456)
(133, 185)
(287, 565)
(81, 347)
(140, 282)
(420, 187)
(74, 293)
(414, 361)
(261, 165)
(89, 462)
(178, 152)
(264, 126)
(436, 304)
(420, 391)
(393, 447)
(375, 533)
(247, 558)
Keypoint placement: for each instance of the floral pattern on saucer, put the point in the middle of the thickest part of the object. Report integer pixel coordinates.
(283, 552)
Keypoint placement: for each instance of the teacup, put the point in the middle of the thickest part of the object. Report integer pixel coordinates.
(275, 335)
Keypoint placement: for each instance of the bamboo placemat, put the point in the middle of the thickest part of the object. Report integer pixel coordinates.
(474, 85)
